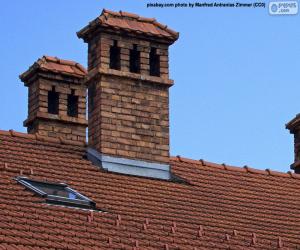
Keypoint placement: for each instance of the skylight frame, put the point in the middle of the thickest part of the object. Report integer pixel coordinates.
(84, 202)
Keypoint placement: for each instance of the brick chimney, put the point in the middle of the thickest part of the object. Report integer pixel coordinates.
(294, 127)
(128, 86)
(56, 99)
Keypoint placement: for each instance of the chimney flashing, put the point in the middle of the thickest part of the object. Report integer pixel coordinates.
(129, 166)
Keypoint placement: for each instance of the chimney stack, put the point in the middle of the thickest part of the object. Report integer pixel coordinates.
(56, 99)
(128, 88)
(294, 127)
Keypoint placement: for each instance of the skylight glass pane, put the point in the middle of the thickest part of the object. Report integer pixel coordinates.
(57, 190)
(57, 193)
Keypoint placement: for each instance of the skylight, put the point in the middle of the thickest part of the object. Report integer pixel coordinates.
(57, 193)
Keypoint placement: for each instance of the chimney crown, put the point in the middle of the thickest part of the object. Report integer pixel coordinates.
(293, 124)
(131, 24)
(54, 65)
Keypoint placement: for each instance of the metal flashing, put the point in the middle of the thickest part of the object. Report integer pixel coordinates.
(129, 166)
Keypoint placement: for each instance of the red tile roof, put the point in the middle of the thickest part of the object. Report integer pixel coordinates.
(221, 207)
(131, 23)
(55, 65)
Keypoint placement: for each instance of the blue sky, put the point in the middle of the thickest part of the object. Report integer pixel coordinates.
(236, 72)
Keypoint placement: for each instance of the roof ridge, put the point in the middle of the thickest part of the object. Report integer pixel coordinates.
(139, 18)
(129, 14)
(245, 169)
(64, 62)
(50, 58)
(121, 13)
(41, 138)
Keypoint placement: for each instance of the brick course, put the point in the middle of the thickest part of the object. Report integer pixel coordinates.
(129, 119)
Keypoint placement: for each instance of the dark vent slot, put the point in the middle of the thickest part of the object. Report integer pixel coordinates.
(72, 104)
(134, 60)
(115, 57)
(53, 101)
(154, 63)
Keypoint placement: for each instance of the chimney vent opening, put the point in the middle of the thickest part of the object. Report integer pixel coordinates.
(154, 61)
(53, 101)
(134, 60)
(115, 56)
(72, 104)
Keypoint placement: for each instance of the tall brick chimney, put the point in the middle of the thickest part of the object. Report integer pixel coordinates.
(56, 99)
(294, 127)
(128, 87)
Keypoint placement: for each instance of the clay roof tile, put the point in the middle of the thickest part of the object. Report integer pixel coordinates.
(127, 14)
(147, 19)
(131, 23)
(114, 13)
(55, 65)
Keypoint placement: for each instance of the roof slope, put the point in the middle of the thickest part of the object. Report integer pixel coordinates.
(222, 207)
(131, 23)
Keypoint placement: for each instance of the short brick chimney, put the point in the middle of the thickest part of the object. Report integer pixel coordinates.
(128, 86)
(294, 127)
(56, 99)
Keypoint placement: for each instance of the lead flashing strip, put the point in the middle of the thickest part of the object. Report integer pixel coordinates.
(129, 166)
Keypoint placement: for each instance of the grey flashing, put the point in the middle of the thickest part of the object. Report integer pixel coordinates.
(128, 166)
